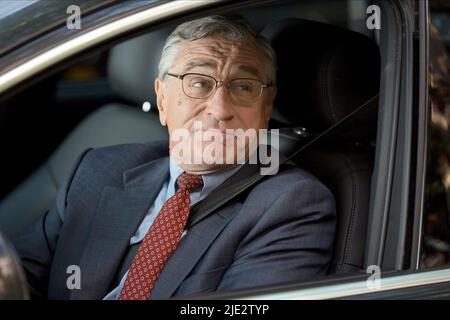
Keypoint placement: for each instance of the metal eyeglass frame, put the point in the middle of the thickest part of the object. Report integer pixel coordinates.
(218, 83)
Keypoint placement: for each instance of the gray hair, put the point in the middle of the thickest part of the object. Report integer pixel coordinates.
(231, 27)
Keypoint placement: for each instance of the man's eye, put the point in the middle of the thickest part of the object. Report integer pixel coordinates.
(244, 87)
(200, 84)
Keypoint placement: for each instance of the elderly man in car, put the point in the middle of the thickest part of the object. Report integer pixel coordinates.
(122, 217)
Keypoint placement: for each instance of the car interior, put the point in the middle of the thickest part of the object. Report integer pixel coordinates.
(327, 68)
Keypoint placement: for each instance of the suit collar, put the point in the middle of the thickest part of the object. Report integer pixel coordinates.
(147, 173)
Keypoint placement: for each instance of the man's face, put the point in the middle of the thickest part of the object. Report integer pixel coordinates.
(224, 60)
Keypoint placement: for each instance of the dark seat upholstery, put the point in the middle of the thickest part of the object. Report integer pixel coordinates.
(325, 73)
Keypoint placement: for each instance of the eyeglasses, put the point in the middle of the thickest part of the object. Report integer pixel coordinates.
(200, 86)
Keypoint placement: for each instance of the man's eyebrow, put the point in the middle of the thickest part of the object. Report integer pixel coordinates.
(250, 70)
(209, 64)
(197, 63)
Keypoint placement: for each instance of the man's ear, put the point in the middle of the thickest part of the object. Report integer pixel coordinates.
(160, 90)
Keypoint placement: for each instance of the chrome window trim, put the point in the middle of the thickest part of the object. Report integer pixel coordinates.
(355, 288)
(85, 40)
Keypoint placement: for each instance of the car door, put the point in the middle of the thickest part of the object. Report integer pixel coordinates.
(394, 230)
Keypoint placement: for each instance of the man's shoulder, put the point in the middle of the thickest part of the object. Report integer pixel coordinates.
(289, 173)
(111, 161)
(291, 178)
(129, 154)
(132, 151)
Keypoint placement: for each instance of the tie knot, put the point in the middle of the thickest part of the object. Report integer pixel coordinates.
(189, 181)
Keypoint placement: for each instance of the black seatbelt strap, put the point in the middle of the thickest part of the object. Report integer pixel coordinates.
(246, 177)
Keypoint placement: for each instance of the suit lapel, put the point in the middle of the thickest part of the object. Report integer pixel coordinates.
(203, 229)
(189, 251)
(120, 212)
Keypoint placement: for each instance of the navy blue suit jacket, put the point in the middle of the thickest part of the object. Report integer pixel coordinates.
(281, 232)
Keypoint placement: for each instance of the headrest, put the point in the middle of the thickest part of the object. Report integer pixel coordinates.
(324, 72)
(133, 66)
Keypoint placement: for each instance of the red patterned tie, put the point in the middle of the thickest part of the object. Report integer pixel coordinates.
(160, 241)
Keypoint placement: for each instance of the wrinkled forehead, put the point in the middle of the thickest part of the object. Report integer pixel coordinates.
(217, 54)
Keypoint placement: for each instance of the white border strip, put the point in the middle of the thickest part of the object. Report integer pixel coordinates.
(358, 288)
(59, 53)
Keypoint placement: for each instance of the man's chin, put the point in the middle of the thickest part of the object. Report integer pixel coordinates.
(207, 157)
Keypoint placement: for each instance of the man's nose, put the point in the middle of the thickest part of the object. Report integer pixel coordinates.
(220, 105)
